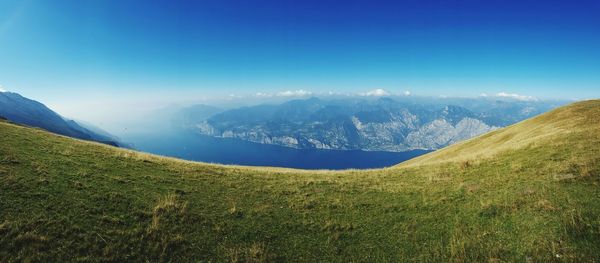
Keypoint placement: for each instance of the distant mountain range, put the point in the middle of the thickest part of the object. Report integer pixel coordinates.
(394, 124)
(383, 124)
(21, 110)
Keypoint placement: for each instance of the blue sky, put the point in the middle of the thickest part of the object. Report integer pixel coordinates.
(72, 54)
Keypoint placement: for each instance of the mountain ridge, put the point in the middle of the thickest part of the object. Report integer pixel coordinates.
(383, 124)
(22, 110)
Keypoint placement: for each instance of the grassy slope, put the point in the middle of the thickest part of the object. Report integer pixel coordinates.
(526, 192)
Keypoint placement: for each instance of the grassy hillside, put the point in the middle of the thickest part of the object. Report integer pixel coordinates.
(525, 193)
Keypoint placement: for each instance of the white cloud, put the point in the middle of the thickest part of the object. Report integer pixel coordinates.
(407, 93)
(1, 89)
(515, 96)
(234, 96)
(287, 93)
(376, 93)
(260, 94)
(294, 93)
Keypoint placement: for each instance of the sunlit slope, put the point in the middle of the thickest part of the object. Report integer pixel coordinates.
(578, 121)
(529, 192)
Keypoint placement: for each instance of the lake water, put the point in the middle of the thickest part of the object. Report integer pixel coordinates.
(196, 147)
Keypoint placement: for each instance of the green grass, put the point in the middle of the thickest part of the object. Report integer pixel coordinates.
(529, 192)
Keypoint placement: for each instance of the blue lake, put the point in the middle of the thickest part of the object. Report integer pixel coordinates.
(196, 147)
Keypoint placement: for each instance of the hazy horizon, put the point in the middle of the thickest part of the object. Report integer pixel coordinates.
(125, 112)
(100, 61)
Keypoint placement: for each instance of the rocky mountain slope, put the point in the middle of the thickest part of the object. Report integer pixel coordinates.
(19, 109)
(384, 124)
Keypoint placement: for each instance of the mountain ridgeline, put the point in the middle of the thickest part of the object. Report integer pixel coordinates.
(384, 124)
(21, 110)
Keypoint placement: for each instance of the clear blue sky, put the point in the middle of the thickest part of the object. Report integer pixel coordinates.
(61, 50)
